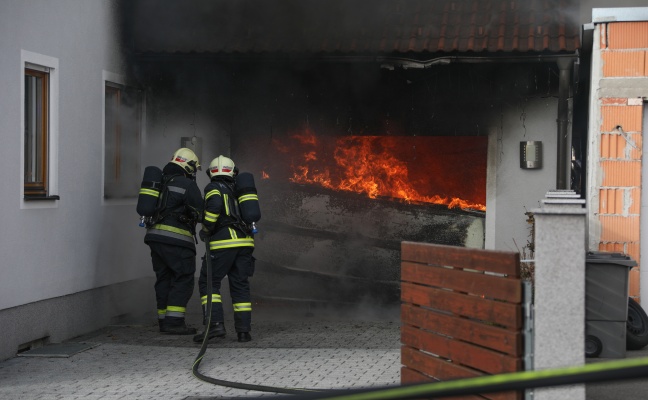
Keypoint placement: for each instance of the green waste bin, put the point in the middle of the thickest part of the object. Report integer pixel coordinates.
(606, 303)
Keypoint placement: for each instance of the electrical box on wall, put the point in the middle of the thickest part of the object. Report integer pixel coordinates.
(193, 143)
(531, 154)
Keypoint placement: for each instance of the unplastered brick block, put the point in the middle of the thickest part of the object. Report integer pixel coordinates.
(620, 201)
(611, 247)
(627, 117)
(619, 146)
(636, 152)
(628, 35)
(621, 173)
(632, 143)
(619, 229)
(609, 145)
(624, 63)
(617, 101)
(611, 201)
(633, 200)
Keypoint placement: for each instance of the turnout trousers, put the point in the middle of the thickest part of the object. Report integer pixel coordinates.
(237, 264)
(174, 267)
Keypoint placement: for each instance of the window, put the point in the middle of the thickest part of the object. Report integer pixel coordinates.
(36, 132)
(39, 135)
(122, 141)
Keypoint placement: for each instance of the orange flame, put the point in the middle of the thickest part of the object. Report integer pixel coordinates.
(364, 164)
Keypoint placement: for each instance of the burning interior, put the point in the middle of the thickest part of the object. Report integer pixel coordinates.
(350, 157)
(337, 208)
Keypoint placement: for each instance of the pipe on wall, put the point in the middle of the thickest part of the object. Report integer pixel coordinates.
(563, 158)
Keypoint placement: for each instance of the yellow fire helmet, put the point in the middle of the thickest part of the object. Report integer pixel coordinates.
(223, 166)
(187, 159)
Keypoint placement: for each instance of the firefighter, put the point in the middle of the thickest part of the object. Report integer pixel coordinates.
(171, 238)
(230, 245)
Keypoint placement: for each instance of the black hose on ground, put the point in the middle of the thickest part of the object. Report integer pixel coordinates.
(205, 341)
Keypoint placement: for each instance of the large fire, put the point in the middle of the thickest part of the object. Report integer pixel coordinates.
(438, 170)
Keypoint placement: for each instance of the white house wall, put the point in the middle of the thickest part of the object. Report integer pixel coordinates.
(512, 191)
(62, 250)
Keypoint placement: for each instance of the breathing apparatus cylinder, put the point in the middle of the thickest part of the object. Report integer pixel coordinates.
(248, 199)
(149, 193)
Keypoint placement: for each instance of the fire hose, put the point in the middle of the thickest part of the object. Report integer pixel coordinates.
(607, 371)
(597, 372)
(203, 349)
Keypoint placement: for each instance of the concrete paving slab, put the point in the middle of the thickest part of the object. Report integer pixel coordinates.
(58, 350)
(310, 350)
(135, 361)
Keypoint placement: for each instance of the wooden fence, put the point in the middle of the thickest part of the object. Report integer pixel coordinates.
(461, 314)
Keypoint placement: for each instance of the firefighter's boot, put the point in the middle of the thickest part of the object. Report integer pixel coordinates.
(176, 326)
(216, 329)
(244, 337)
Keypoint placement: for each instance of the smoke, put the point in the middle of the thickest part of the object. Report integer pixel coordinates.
(256, 25)
(301, 28)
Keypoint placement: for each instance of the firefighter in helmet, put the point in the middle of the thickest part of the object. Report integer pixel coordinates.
(171, 238)
(230, 245)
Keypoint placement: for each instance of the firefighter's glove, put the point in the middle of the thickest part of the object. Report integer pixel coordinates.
(204, 235)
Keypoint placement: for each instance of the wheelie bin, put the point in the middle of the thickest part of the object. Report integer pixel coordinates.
(606, 303)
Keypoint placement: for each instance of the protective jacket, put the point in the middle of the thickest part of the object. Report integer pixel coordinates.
(222, 218)
(182, 209)
(231, 245)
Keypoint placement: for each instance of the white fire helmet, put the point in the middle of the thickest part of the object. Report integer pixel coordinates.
(221, 166)
(187, 159)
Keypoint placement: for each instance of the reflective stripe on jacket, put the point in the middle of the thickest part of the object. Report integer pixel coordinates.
(171, 232)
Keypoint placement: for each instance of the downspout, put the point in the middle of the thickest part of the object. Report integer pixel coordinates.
(563, 157)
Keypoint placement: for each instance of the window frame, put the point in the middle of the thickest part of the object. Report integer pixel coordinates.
(50, 65)
(38, 187)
